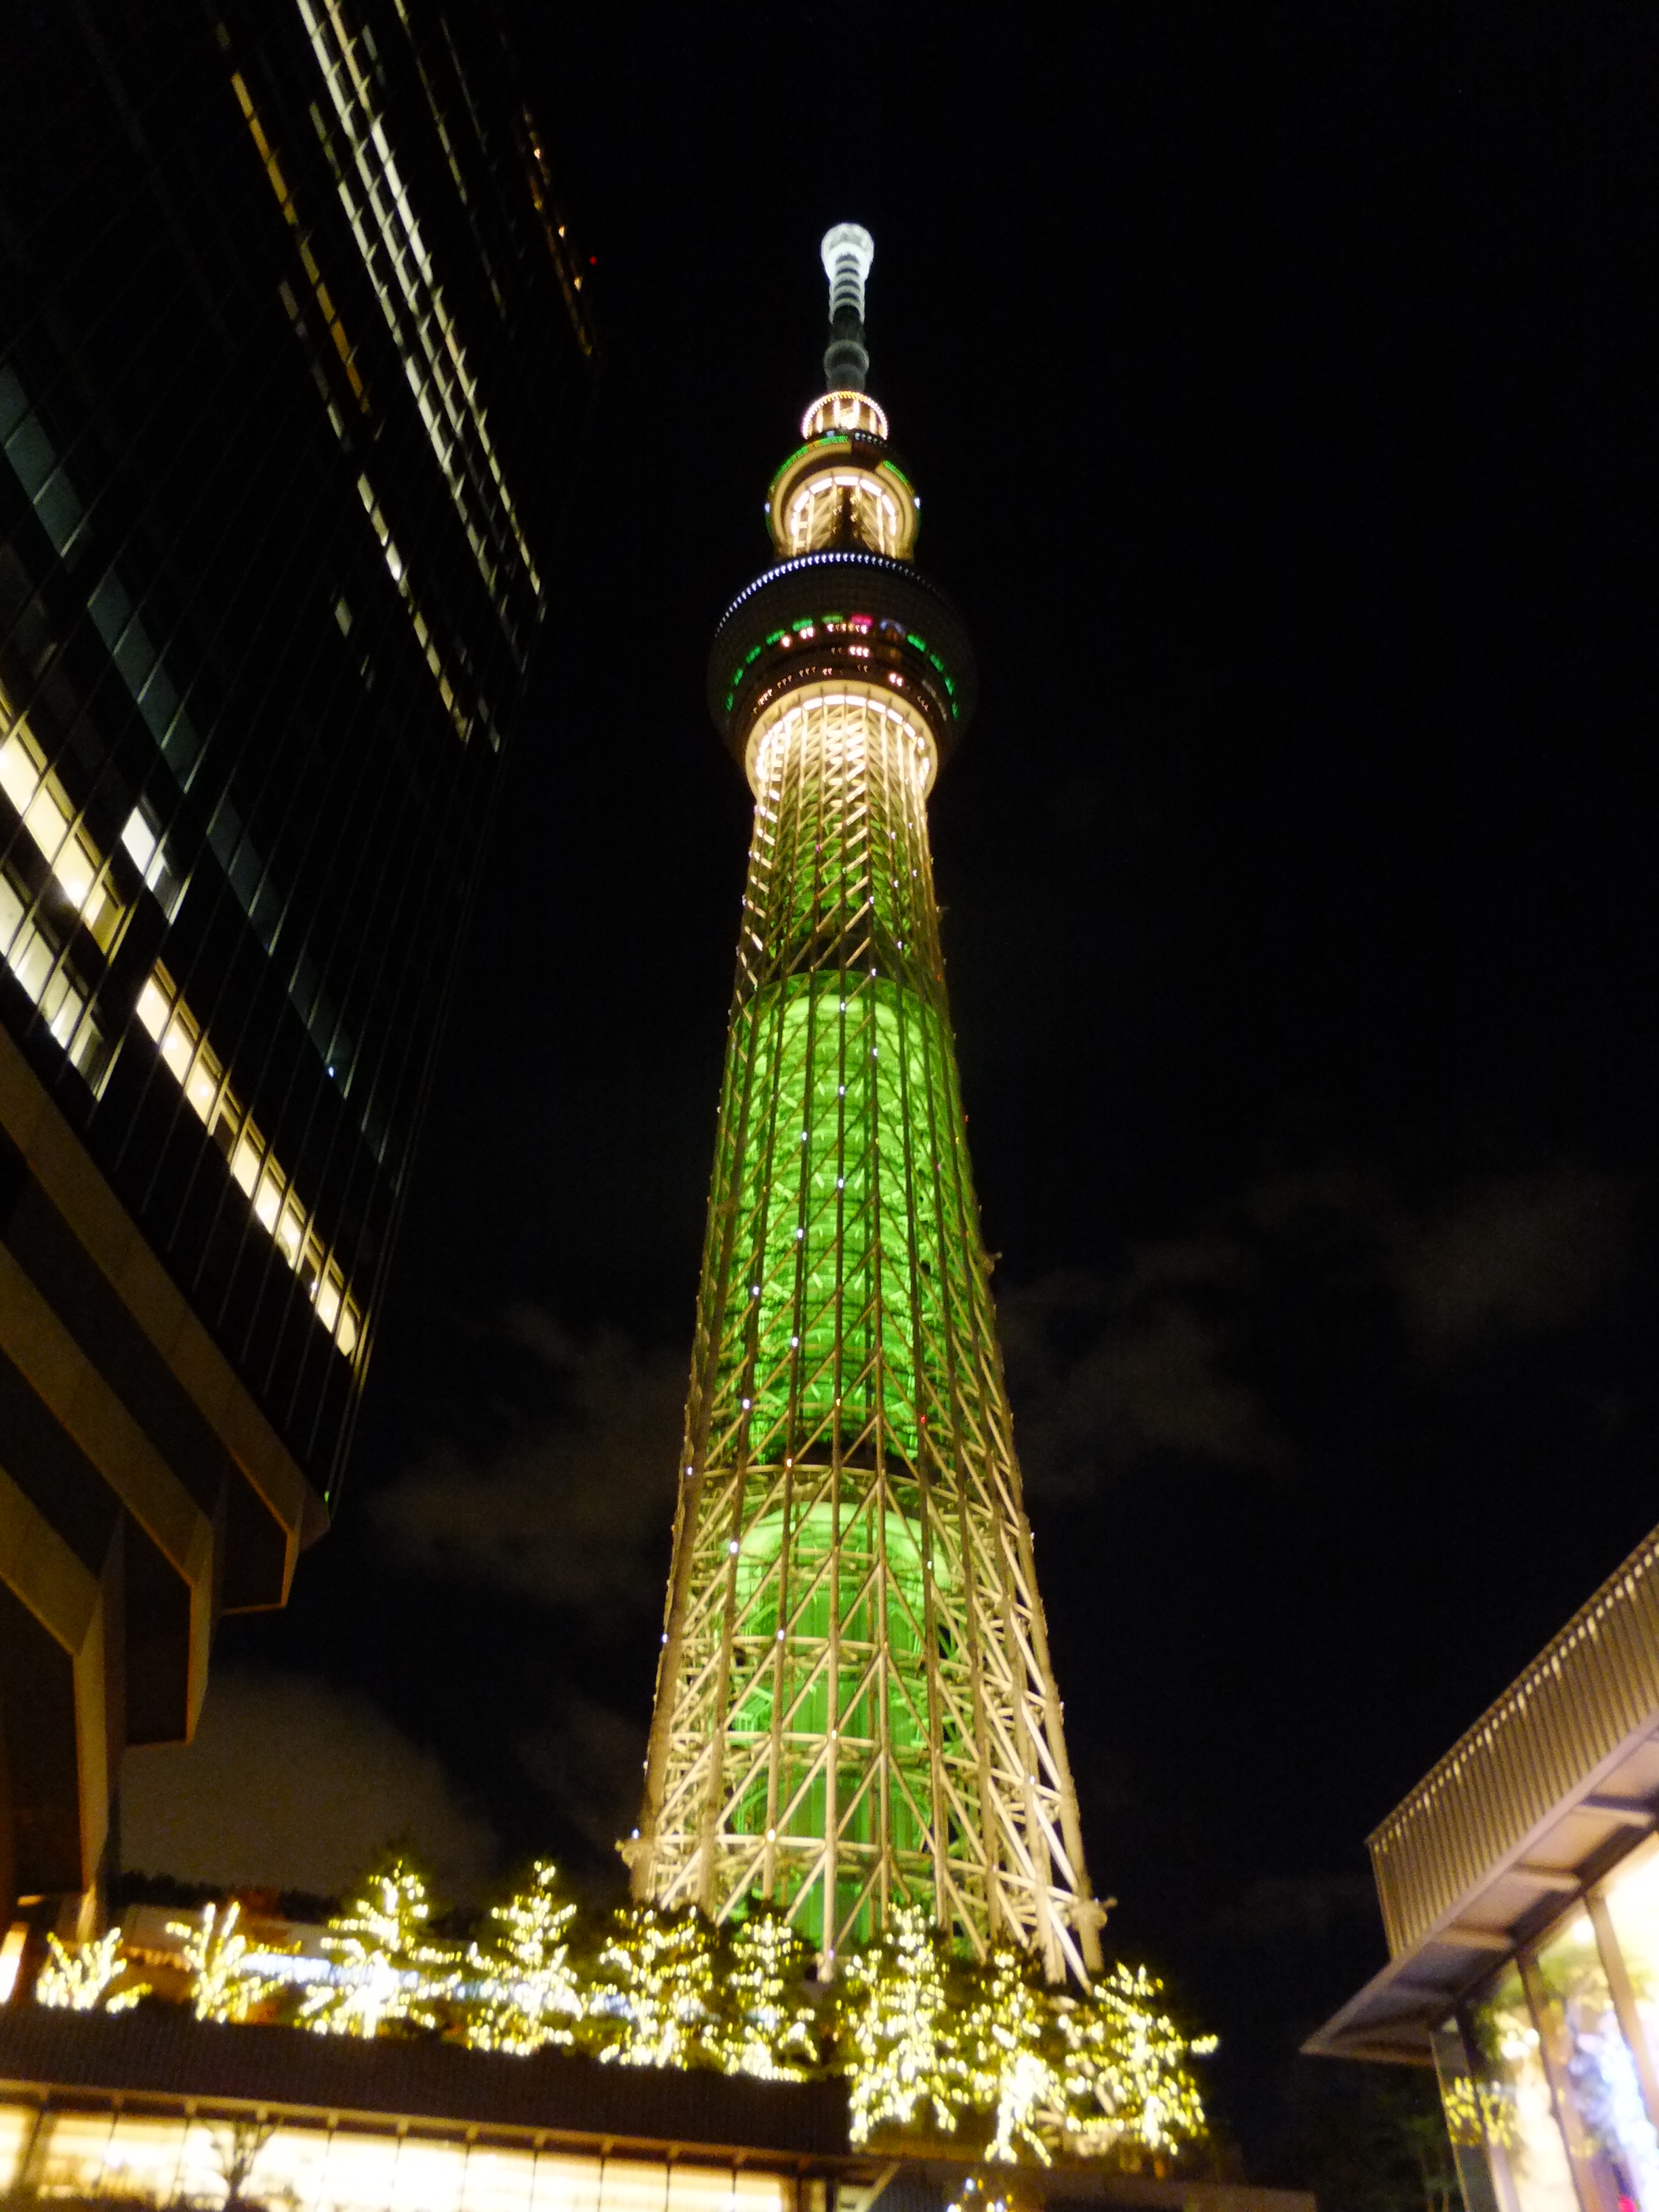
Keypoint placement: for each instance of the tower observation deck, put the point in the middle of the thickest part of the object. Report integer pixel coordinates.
(854, 1708)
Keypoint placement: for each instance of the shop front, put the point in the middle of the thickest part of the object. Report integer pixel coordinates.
(1519, 1885)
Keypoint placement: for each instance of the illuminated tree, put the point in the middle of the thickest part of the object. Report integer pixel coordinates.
(527, 1993)
(1127, 2086)
(768, 2028)
(388, 1971)
(81, 1980)
(1006, 2044)
(898, 2032)
(215, 1952)
(655, 1996)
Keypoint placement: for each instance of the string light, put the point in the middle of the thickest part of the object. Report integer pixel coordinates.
(388, 1970)
(82, 1979)
(526, 1993)
(1008, 2066)
(1126, 2083)
(923, 2037)
(222, 1986)
(769, 2030)
(656, 1991)
(897, 2031)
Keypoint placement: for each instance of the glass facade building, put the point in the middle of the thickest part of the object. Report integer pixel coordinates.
(1520, 1889)
(296, 357)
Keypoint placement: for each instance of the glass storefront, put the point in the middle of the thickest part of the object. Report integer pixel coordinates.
(1531, 2172)
(1466, 2096)
(1630, 1901)
(1550, 2076)
(140, 2160)
(1610, 2136)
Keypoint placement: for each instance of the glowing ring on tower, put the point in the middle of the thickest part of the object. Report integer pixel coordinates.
(786, 721)
(844, 410)
(809, 511)
(842, 478)
(847, 618)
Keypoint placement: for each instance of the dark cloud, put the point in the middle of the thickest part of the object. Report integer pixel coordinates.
(289, 1785)
(1516, 1256)
(1188, 1354)
(1105, 1378)
(1301, 1909)
(589, 1765)
(572, 1502)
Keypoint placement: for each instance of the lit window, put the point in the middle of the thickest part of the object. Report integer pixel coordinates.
(31, 952)
(149, 849)
(77, 866)
(396, 568)
(202, 1076)
(442, 129)
(399, 574)
(33, 960)
(391, 241)
(285, 201)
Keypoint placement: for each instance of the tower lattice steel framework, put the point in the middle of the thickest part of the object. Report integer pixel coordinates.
(855, 1704)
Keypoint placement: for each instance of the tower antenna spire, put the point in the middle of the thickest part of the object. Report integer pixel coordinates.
(847, 250)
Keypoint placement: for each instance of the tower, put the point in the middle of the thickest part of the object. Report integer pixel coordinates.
(854, 1703)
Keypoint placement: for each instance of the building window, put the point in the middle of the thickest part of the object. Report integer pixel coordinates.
(398, 262)
(274, 1204)
(37, 963)
(147, 849)
(1530, 2157)
(32, 946)
(1551, 2072)
(1610, 2138)
(1630, 1901)
(48, 814)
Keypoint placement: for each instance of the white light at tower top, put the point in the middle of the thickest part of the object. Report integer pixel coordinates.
(848, 251)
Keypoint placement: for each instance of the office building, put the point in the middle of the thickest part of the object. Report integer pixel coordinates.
(295, 359)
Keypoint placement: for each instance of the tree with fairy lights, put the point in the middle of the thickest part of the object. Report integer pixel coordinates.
(222, 1986)
(1007, 2054)
(654, 2003)
(768, 2028)
(525, 1992)
(388, 1970)
(898, 2031)
(83, 1979)
(1127, 2088)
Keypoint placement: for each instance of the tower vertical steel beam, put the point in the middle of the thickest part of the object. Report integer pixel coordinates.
(856, 1708)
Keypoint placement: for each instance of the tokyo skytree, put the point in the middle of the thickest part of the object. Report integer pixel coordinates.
(854, 1707)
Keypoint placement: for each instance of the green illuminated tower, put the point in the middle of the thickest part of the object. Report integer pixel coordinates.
(855, 1704)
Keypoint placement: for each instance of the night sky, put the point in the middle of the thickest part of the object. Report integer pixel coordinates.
(1280, 384)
